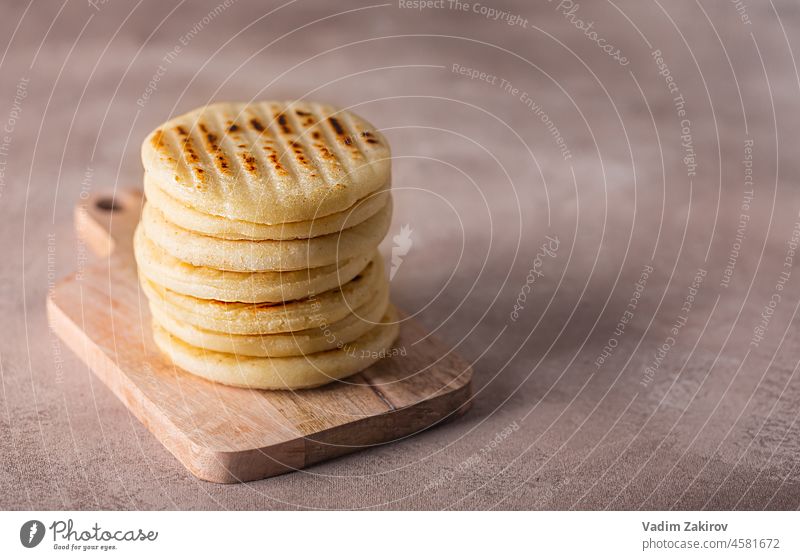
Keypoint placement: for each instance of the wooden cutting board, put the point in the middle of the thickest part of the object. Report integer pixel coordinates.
(225, 434)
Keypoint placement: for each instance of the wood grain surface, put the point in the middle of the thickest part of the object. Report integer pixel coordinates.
(227, 434)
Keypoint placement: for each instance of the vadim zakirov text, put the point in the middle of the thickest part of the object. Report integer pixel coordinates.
(686, 526)
(64, 531)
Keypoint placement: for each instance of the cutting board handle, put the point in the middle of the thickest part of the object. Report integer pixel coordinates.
(105, 220)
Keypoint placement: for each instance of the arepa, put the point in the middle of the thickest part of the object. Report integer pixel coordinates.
(255, 256)
(267, 162)
(293, 372)
(294, 343)
(271, 318)
(191, 219)
(247, 287)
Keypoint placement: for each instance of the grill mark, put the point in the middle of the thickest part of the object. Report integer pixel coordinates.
(337, 127)
(360, 139)
(249, 163)
(157, 141)
(160, 142)
(231, 149)
(332, 144)
(326, 159)
(285, 155)
(227, 146)
(264, 146)
(256, 125)
(204, 163)
(368, 137)
(349, 136)
(250, 144)
(290, 139)
(363, 135)
(318, 169)
(186, 145)
(210, 140)
(283, 122)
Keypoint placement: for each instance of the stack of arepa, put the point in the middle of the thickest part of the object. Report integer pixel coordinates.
(257, 247)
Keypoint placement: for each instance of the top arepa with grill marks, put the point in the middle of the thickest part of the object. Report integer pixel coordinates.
(268, 162)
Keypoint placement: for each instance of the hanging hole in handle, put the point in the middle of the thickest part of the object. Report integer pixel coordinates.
(108, 204)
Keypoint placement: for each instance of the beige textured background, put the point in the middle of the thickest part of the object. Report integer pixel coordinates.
(481, 181)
